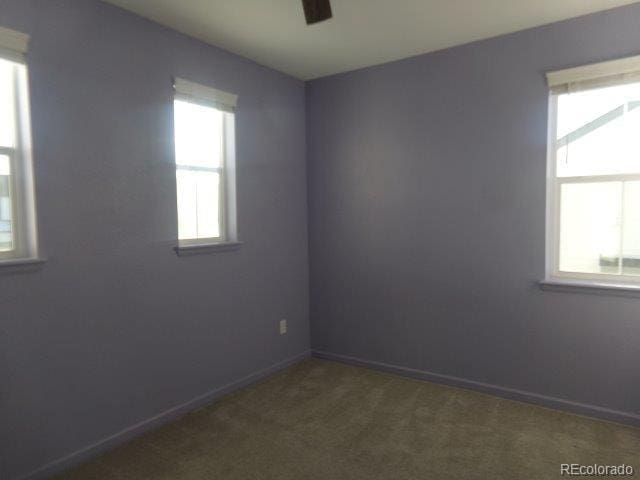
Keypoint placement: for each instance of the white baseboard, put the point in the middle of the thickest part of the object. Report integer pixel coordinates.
(95, 449)
(584, 409)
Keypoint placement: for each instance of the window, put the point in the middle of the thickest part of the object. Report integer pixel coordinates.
(205, 164)
(17, 208)
(593, 225)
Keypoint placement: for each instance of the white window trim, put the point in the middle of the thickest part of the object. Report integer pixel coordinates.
(201, 94)
(191, 92)
(595, 75)
(13, 47)
(615, 72)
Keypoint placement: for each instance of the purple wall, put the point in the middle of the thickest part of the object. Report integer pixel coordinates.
(427, 202)
(115, 328)
(427, 219)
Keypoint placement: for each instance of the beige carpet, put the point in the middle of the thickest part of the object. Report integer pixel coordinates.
(325, 420)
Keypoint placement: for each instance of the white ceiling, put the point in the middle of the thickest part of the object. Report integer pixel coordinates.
(361, 33)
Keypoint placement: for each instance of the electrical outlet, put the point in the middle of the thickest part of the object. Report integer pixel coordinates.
(283, 327)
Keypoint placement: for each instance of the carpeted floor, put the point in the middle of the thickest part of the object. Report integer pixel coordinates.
(325, 420)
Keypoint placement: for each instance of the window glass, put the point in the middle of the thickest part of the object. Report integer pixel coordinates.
(597, 132)
(198, 204)
(596, 191)
(199, 133)
(18, 231)
(7, 104)
(6, 215)
(631, 230)
(590, 227)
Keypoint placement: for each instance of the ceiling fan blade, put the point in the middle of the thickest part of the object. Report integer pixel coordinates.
(316, 10)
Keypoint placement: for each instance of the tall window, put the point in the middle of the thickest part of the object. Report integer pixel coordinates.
(204, 152)
(594, 173)
(17, 209)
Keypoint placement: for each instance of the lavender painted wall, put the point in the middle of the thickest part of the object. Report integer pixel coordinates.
(426, 191)
(427, 219)
(115, 328)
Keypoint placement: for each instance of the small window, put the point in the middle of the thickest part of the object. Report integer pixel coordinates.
(594, 173)
(204, 123)
(18, 239)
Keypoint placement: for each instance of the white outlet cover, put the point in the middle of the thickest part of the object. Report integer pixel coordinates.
(283, 327)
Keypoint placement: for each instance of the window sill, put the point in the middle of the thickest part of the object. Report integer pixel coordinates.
(591, 287)
(21, 265)
(189, 250)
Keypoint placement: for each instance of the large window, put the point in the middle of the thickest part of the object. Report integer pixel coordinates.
(17, 212)
(204, 154)
(594, 173)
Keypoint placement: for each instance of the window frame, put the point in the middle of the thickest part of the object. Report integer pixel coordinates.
(554, 208)
(223, 102)
(21, 183)
(222, 198)
(16, 237)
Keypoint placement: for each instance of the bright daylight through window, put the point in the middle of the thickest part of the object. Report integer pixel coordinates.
(204, 125)
(594, 189)
(17, 212)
